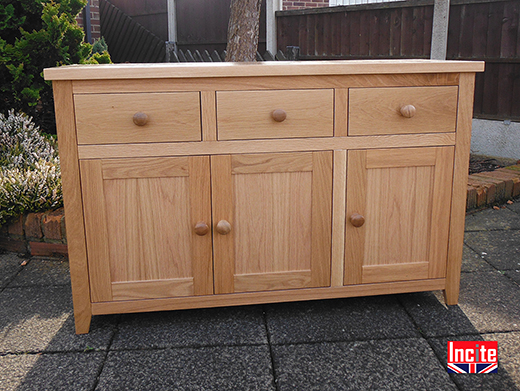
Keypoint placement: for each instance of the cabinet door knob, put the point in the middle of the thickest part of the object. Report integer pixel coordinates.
(140, 119)
(201, 228)
(408, 111)
(357, 220)
(223, 227)
(279, 115)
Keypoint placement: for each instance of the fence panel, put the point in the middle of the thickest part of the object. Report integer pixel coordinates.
(127, 40)
(487, 30)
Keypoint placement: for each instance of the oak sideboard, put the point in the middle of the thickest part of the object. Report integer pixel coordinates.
(205, 185)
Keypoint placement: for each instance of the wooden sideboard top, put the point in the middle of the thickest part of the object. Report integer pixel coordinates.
(274, 68)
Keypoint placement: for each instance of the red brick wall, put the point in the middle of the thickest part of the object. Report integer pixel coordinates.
(296, 5)
(95, 26)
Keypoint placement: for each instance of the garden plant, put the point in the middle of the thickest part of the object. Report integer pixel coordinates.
(34, 35)
(30, 179)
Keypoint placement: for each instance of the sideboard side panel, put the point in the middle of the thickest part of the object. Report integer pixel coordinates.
(65, 124)
(460, 180)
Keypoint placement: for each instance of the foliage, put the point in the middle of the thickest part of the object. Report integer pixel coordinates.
(38, 34)
(99, 53)
(30, 176)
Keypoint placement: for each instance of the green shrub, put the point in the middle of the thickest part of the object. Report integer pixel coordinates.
(30, 176)
(38, 34)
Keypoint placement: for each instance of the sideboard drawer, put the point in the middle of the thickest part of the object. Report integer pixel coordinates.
(137, 118)
(399, 110)
(243, 115)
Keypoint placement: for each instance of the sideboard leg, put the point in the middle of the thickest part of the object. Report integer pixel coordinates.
(451, 295)
(72, 199)
(460, 188)
(82, 322)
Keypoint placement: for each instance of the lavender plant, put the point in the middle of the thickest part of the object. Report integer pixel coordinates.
(30, 177)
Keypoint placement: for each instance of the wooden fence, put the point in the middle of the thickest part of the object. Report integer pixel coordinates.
(127, 40)
(486, 30)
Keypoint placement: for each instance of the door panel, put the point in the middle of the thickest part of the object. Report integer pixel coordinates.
(140, 216)
(402, 195)
(279, 209)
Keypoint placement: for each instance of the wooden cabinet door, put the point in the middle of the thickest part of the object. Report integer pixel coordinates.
(403, 197)
(140, 216)
(277, 209)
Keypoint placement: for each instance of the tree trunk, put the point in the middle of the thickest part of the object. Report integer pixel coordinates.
(243, 30)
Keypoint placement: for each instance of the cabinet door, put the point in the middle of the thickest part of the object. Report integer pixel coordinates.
(140, 218)
(398, 212)
(272, 220)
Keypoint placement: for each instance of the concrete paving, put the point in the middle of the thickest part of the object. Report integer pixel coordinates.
(394, 342)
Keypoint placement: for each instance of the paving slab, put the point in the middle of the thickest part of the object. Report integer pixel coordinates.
(501, 249)
(63, 371)
(209, 368)
(508, 375)
(490, 301)
(402, 364)
(474, 262)
(192, 328)
(43, 272)
(492, 219)
(10, 265)
(515, 206)
(338, 320)
(40, 319)
(508, 353)
(487, 303)
(514, 275)
(433, 317)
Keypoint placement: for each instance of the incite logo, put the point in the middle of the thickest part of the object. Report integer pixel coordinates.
(472, 356)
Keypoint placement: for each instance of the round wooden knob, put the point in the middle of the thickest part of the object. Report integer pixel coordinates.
(140, 119)
(408, 111)
(279, 115)
(201, 228)
(357, 220)
(223, 227)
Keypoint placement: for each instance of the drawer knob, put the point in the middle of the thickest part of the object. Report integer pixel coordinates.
(279, 115)
(140, 119)
(223, 227)
(201, 228)
(408, 111)
(357, 220)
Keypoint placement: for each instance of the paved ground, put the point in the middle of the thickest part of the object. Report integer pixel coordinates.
(393, 342)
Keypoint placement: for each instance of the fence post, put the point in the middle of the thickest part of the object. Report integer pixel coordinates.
(441, 13)
(271, 7)
(172, 21)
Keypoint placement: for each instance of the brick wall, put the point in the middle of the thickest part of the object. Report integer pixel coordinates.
(296, 5)
(36, 234)
(95, 24)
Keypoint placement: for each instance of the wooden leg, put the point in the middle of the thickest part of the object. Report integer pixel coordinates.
(460, 180)
(451, 296)
(82, 325)
(77, 249)
(82, 320)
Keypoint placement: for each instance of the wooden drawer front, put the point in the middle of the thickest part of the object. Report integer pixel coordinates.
(378, 110)
(109, 118)
(243, 115)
